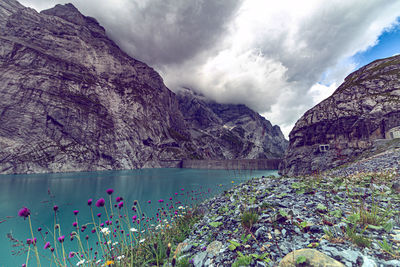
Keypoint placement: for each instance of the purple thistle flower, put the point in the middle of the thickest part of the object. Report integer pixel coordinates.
(118, 199)
(170, 198)
(90, 201)
(102, 225)
(52, 249)
(110, 191)
(100, 202)
(24, 212)
(74, 224)
(134, 218)
(182, 189)
(29, 241)
(61, 238)
(176, 194)
(47, 245)
(23, 265)
(120, 204)
(99, 215)
(86, 237)
(39, 229)
(71, 254)
(93, 231)
(161, 200)
(55, 208)
(76, 212)
(149, 201)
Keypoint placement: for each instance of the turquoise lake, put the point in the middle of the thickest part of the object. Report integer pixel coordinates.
(70, 191)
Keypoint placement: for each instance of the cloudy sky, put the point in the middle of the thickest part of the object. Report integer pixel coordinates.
(280, 58)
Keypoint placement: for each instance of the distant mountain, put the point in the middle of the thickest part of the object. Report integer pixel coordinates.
(72, 100)
(229, 131)
(366, 107)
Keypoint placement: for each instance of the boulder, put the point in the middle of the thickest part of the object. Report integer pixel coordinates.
(314, 258)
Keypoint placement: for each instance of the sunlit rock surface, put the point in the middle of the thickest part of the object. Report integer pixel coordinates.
(366, 107)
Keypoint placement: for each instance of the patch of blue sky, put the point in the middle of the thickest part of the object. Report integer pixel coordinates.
(388, 45)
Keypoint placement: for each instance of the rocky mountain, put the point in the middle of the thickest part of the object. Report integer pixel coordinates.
(72, 100)
(229, 131)
(364, 109)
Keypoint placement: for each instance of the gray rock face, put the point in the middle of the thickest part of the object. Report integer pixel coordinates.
(364, 108)
(229, 131)
(72, 100)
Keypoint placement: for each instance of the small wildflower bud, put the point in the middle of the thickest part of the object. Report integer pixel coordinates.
(47, 245)
(61, 238)
(110, 191)
(74, 224)
(55, 208)
(71, 254)
(120, 204)
(90, 201)
(168, 249)
(100, 202)
(76, 212)
(135, 202)
(39, 229)
(99, 215)
(24, 212)
(52, 249)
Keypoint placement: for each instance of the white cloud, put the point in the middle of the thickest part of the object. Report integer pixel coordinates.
(277, 57)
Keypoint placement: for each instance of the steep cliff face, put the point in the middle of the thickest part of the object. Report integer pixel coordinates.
(364, 108)
(229, 131)
(71, 100)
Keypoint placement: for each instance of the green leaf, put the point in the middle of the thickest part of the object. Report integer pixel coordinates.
(236, 244)
(301, 259)
(388, 226)
(283, 213)
(231, 247)
(374, 227)
(336, 213)
(215, 224)
(321, 207)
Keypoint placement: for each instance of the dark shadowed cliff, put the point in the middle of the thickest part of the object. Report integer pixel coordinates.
(366, 107)
(72, 100)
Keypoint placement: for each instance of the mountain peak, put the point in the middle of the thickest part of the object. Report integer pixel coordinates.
(71, 14)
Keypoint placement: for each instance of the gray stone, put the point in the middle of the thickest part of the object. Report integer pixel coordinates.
(367, 262)
(392, 263)
(199, 258)
(214, 248)
(350, 255)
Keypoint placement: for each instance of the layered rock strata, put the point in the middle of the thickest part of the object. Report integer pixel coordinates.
(365, 108)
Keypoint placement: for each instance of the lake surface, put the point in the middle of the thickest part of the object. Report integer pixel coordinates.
(70, 191)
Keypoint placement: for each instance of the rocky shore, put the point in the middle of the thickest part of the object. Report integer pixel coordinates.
(342, 221)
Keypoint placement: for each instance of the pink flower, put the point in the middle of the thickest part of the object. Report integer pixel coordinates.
(61, 238)
(24, 212)
(110, 191)
(76, 212)
(47, 245)
(89, 202)
(100, 202)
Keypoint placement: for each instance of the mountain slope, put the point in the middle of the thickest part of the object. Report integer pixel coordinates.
(363, 109)
(71, 100)
(229, 131)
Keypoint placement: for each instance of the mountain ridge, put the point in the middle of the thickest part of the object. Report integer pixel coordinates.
(72, 100)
